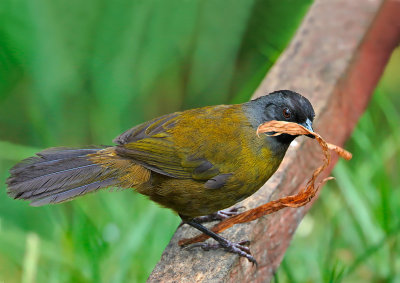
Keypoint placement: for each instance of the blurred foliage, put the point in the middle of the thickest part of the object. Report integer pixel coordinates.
(81, 72)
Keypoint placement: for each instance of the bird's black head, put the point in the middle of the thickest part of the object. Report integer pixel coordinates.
(281, 105)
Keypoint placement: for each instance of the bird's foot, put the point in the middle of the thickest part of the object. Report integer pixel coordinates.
(219, 215)
(239, 248)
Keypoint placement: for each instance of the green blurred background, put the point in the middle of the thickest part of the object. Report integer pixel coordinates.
(81, 72)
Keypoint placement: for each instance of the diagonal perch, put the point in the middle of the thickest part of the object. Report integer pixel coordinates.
(336, 57)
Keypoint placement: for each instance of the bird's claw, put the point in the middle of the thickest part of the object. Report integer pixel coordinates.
(239, 248)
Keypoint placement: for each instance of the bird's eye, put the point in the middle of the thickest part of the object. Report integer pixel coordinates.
(286, 113)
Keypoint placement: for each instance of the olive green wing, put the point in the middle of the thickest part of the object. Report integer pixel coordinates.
(151, 145)
(148, 129)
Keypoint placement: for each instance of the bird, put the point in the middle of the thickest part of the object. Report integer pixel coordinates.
(196, 162)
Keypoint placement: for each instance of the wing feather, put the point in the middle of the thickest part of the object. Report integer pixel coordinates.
(151, 145)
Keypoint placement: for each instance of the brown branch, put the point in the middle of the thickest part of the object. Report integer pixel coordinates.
(336, 60)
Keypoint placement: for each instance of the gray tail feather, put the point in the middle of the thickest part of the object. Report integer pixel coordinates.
(58, 174)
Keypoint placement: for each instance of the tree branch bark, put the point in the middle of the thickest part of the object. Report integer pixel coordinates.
(335, 59)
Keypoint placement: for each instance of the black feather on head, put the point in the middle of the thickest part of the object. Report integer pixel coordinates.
(281, 105)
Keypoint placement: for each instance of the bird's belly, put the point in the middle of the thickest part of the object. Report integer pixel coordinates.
(191, 199)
